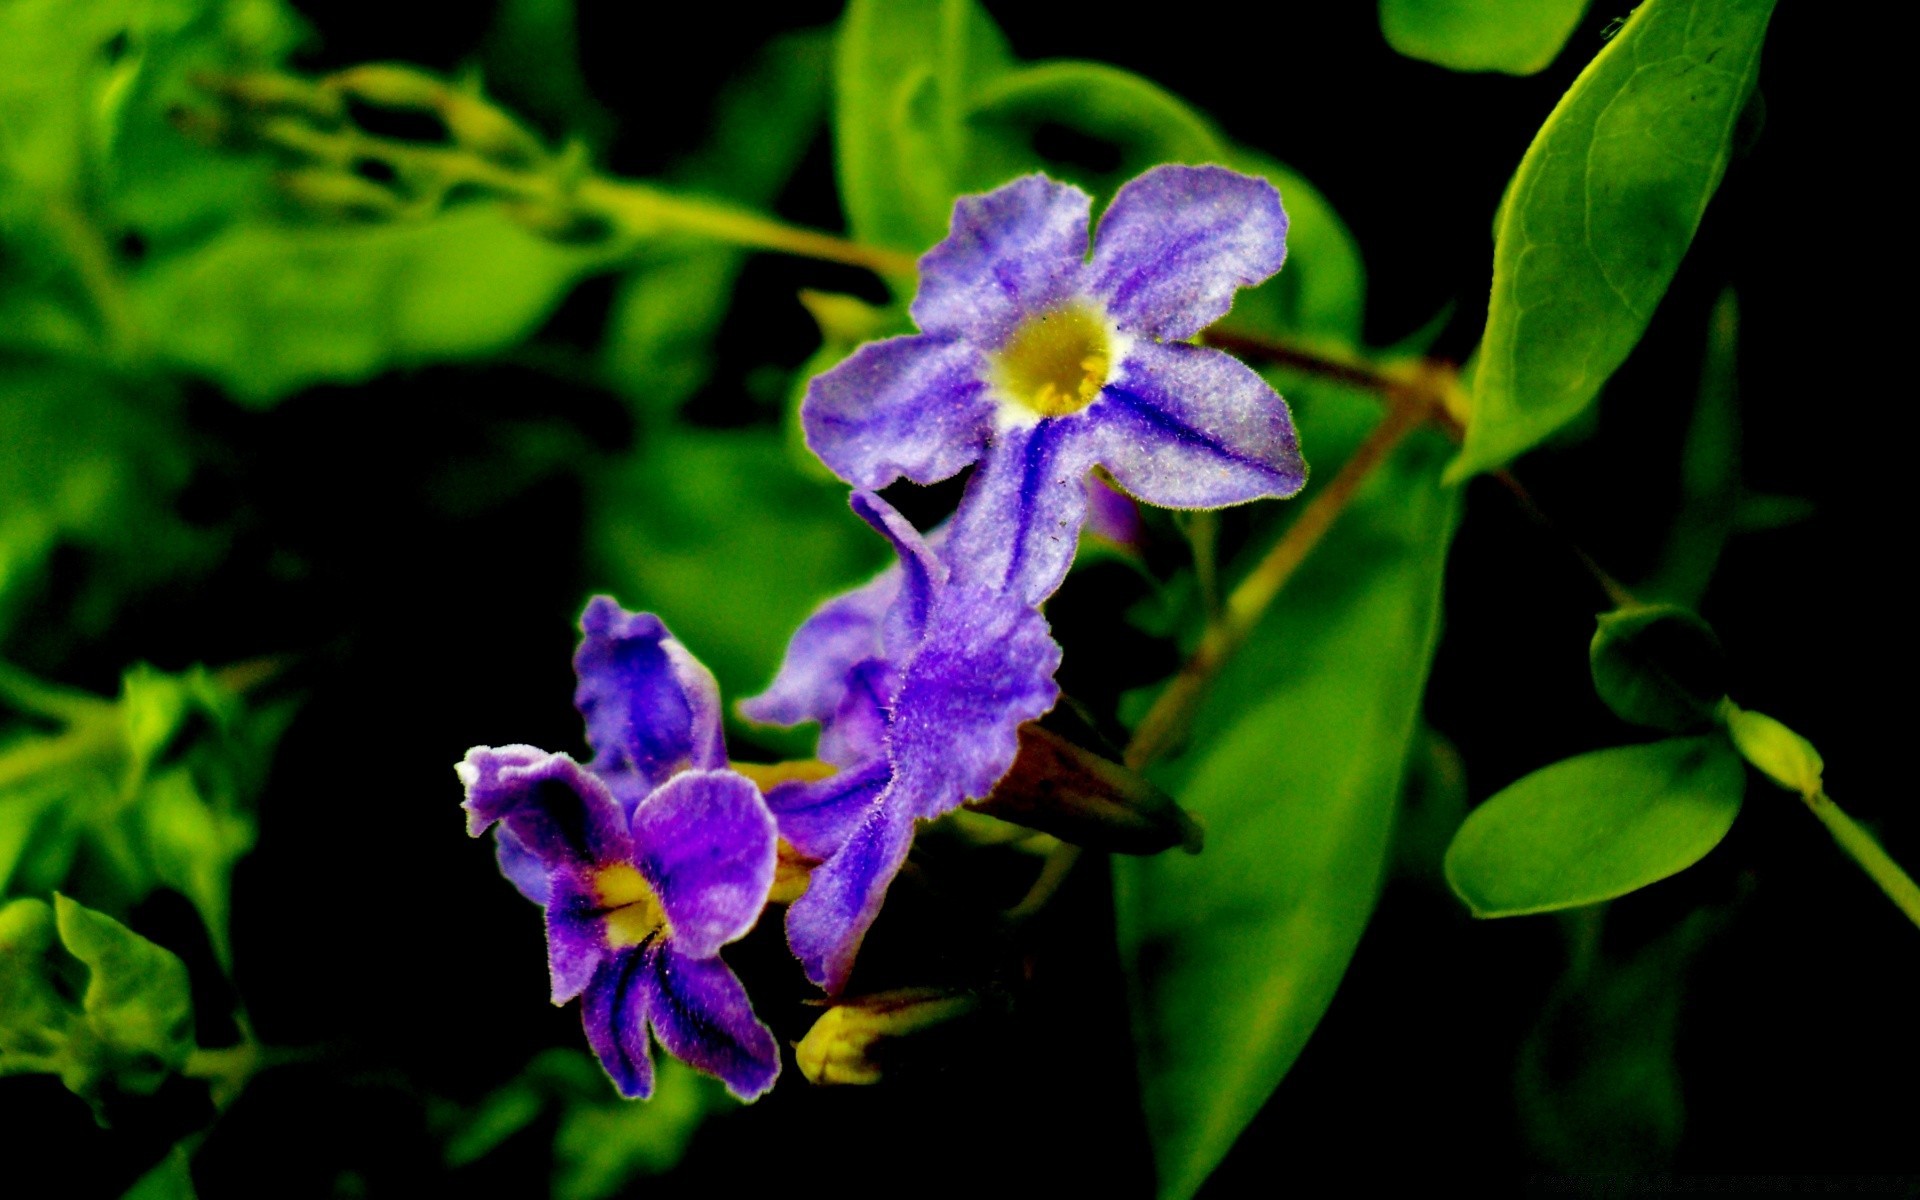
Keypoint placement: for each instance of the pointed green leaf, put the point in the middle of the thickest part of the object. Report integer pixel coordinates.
(1234, 954)
(1518, 37)
(1658, 665)
(1601, 212)
(1596, 826)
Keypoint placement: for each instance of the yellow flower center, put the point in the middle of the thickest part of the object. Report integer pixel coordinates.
(1056, 362)
(633, 912)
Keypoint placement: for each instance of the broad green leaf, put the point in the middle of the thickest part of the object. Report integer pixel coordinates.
(1596, 826)
(1234, 954)
(1658, 665)
(267, 309)
(732, 546)
(1518, 37)
(904, 72)
(1602, 211)
(170, 1179)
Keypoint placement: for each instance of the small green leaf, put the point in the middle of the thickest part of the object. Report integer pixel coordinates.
(1596, 826)
(1518, 37)
(1298, 757)
(1774, 750)
(1658, 665)
(170, 1179)
(1711, 495)
(904, 71)
(1601, 212)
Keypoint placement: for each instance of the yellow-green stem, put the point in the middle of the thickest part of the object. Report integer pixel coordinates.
(1863, 849)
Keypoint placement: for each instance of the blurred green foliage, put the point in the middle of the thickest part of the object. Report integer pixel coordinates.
(1517, 37)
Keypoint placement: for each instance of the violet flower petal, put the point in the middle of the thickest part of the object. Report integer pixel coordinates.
(1015, 251)
(1178, 242)
(857, 731)
(986, 667)
(651, 708)
(576, 933)
(614, 1014)
(818, 816)
(1019, 520)
(556, 809)
(521, 866)
(913, 406)
(826, 925)
(705, 842)
(922, 573)
(812, 679)
(702, 1016)
(1188, 427)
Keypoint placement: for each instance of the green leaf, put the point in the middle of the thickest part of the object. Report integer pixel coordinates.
(904, 72)
(601, 1148)
(1658, 665)
(531, 60)
(267, 309)
(1596, 826)
(721, 535)
(170, 1179)
(1234, 954)
(1602, 211)
(1518, 37)
(1710, 487)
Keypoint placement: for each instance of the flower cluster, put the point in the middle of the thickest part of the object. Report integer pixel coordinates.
(1033, 365)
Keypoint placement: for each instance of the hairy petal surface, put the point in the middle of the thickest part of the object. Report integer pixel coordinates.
(1019, 521)
(521, 866)
(826, 925)
(812, 680)
(702, 1016)
(1188, 427)
(576, 933)
(1178, 242)
(922, 573)
(818, 817)
(857, 731)
(914, 406)
(651, 708)
(1015, 251)
(986, 667)
(556, 810)
(705, 842)
(614, 1014)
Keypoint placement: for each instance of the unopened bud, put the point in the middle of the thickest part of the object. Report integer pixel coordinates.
(1775, 751)
(340, 193)
(1079, 795)
(391, 85)
(860, 1041)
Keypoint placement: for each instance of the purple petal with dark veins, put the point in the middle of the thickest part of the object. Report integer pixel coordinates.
(817, 817)
(576, 933)
(1015, 251)
(651, 709)
(913, 406)
(1189, 427)
(857, 731)
(812, 681)
(705, 842)
(921, 574)
(1019, 520)
(987, 665)
(827, 923)
(521, 866)
(614, 1014)
(1178, 242)
(555, 808)
(702, 1016)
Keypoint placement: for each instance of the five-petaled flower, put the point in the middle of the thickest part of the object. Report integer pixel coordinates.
(647, 861)
(920, 683)
(1038, 364)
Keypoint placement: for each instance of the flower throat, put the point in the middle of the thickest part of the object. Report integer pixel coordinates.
(1056, 362)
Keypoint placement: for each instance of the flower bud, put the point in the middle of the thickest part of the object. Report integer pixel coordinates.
(1775, 751)
(1079, 795)
(860, 1041)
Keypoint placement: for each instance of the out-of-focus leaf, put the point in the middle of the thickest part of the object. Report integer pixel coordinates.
(1658, 665)
(130, 1027)
(267, 309)
(904, 73)
(170, 1179)
(1710, 489)
(1518, 37)
(658, 344)
(1602, 211)
(531, 59)
(1295, 771)
(1596, 826)
(720, 535)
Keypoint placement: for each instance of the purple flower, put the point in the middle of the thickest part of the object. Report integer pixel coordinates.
(647, 861)
(920, 683)
(1038, 364)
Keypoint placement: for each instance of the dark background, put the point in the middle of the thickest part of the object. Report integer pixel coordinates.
(366, 925)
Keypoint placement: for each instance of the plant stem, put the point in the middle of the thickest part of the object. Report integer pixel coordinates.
(1863, 849)
(1166, 722)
